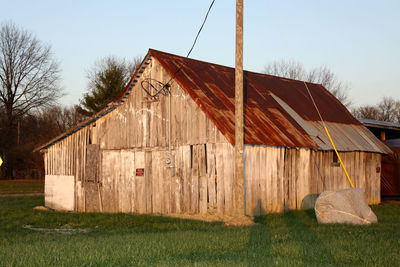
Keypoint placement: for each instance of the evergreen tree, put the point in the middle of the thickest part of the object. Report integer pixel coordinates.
(107, 78)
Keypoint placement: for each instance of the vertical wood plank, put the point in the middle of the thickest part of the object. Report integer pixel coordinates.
(211, 131)
(194, 129)
(378, 161)
(286, 188)
(187, 174)
(268, 181)
(361, 168)
(140, 182)
(177, 110)
(293, 178)
(258, 171)
(149, 181)
(156, 180)
(202, 179)
(220, 179)
(274, 178)
(250, 209)
(194, 190)
(166, 185)
(202, 126)
(281, 178)
(190, 121)
(228, 178)
(178, 181)
(211, 183)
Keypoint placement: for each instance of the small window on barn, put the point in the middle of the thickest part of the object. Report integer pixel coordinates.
(335, 161)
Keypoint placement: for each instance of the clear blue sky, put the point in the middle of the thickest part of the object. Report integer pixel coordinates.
(358, 40)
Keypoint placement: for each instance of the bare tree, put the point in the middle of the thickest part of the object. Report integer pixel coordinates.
(397, 113)
(59, 119)
(322, 75)
(366, 112)
(29, 79)
(107, 78)
(29, 75)
(388, 109)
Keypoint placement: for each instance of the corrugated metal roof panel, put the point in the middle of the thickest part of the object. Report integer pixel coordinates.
(346, 137)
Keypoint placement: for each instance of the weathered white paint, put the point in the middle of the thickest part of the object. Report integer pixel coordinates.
(59, 192)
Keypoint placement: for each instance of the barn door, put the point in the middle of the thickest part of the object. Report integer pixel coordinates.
(92, 197)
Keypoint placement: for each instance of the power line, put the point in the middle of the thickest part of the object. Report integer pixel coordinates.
(201, 28)
(149, 84)
(194, 43)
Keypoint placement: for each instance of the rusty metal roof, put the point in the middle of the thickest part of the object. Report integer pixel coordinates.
(278, 111)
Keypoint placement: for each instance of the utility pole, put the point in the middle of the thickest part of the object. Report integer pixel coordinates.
(239, 129)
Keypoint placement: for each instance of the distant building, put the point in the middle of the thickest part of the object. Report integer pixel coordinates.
(389, 133)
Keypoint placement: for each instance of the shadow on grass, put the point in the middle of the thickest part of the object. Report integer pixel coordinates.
(311, 247)
(290, 238)
(259, 239)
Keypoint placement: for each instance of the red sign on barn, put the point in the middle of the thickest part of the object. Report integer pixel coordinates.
(140, 172)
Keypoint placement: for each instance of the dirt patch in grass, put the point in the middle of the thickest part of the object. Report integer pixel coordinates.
(228, 220)
(66, 229)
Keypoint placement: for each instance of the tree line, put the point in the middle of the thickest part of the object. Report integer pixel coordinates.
(30, 90)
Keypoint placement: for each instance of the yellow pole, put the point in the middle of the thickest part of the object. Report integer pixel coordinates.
(340, 160)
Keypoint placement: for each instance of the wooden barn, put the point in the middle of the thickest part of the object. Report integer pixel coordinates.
(166, 145)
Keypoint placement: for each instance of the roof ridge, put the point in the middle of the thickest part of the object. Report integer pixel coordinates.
(228, 67)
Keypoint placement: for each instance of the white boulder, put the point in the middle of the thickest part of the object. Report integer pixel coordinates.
(344, 206)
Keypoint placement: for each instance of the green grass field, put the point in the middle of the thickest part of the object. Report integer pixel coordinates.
(21, 186)
(44, 238)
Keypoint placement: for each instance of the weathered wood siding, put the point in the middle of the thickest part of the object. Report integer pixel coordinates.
(68, 157)
(143, 122)
(281, 178)
(202, 181)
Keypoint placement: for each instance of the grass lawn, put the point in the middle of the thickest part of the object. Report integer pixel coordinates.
(43, 238)
(21, 186)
